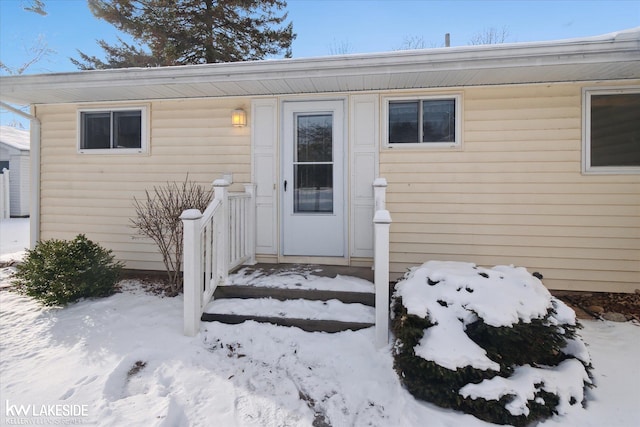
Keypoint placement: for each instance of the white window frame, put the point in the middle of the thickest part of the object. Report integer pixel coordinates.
(587, 92)
(457, 144)
(144, 130)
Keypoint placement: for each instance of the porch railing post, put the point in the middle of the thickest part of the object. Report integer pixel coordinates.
(380, 203)
(5, 194)
(382, 222)
(221, 193)
(379, 193)
(250, 232)
(192, 271)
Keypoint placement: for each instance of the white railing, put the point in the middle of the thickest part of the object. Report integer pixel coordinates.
(5, 195)
(381, 225)
(215, 241)
(242, 227)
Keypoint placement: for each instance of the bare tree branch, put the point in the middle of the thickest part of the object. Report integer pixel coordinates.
(340, 48)
(37, 52)
(413, 42)
(490, 35)
(35, 6)
(158, 217)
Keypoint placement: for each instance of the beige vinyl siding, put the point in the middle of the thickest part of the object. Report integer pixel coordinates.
(93, 193)
(514, 194)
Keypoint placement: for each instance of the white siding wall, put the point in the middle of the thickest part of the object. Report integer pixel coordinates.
(93, 194)
(20, 184)
(514, 194)
(19, 179)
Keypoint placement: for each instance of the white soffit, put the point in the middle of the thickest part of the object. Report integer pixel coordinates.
(610, 57)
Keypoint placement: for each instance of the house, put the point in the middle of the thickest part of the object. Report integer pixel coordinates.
(523, 153)
(14, 156)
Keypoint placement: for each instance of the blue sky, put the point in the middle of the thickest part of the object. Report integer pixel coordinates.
(332, 26)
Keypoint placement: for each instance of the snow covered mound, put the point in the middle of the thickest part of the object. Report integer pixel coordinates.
(492, 342)
(468, 289)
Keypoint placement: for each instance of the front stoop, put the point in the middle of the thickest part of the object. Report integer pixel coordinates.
(326, 300)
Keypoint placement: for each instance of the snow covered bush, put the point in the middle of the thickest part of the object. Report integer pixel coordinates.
(493, 343)
(57, 272)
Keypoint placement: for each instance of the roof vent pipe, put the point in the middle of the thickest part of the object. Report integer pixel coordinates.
(447, 40)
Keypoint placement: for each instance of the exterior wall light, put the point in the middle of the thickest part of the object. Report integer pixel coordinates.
(238, 118)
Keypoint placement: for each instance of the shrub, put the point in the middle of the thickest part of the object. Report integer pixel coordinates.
(493, 343)
(57, 272)
(158, 217)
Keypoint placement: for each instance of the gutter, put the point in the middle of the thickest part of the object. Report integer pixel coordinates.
(34, 155)
(280, 75)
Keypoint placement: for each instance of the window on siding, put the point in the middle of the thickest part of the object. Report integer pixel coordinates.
(612, 131)
(424, 121)
(118, 130)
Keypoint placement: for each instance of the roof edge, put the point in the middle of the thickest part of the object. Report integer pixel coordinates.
(619, 47)
(625, 40)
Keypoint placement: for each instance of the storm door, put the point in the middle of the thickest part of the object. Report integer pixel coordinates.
(313, 184)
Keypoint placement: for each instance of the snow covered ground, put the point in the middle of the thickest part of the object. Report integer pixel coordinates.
(123, 360)
(14, 237)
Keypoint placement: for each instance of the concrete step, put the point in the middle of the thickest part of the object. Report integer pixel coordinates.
(309, 310)
(238, 291)
(309, 325)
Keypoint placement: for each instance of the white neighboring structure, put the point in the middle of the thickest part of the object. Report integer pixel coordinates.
(14, 156)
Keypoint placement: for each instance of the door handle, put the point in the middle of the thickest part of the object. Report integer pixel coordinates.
(285, 185)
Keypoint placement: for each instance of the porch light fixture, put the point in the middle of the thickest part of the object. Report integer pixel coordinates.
(239, 118)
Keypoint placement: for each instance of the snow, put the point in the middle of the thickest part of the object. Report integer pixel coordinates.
(454, 294)
(301, 309)
(470, 290)
(302, 278)
(578, 349)
(448, 345)
(14, 238)
(124, 359)
(14, 137)
(524, 383)
(614, 353)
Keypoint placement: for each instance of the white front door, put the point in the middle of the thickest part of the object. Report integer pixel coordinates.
(313, 179)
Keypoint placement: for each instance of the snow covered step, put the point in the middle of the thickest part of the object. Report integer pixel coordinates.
(308, 315)
(301, 277)
(308, 325)
(298, 308)
(313, 298)
(282, 294)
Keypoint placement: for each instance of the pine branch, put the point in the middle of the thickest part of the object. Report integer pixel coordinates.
(191, 31)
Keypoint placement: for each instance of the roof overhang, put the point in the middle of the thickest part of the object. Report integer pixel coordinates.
(613, 56)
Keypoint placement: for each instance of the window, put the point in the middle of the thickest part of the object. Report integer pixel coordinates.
(611, 130)
(313, 164)
(117, 130)
(429, 121)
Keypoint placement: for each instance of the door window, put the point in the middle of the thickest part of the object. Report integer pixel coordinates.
(313, 164)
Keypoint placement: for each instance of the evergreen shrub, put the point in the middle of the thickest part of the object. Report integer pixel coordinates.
(541, 342)
(57, 272)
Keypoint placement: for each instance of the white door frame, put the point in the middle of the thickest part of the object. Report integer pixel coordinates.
(341, 194)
